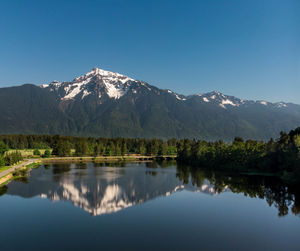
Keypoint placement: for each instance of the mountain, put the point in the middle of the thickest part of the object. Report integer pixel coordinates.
(109, 104)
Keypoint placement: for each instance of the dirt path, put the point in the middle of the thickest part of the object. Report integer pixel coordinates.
(24, 163)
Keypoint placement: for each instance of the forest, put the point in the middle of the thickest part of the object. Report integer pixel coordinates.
(280, 156)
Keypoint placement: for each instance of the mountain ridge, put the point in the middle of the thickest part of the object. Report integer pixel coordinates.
(113, 92)
(108, 104)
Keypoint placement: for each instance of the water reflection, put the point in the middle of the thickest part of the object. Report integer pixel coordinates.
(102, 188)
(284, 197)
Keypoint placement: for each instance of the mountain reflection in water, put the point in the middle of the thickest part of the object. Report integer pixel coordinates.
(102, 188)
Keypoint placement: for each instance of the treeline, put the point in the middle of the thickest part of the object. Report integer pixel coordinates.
(276, 156)
(63, 145)
(279, 156)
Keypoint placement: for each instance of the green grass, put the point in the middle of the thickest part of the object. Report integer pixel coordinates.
(4, 168)
(27, 152)
(6, 182)
(19, 173)
(32, 165)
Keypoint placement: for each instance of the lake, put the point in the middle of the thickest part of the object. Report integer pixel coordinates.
(149, 206)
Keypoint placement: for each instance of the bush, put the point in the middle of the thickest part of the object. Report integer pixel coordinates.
(12, 158)
(36, 152)
(20, 173)
(47, 154)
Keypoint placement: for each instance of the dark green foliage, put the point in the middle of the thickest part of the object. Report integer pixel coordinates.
(82, 148)
(3, 148)
(2, 161)
(124, 148)
(12, 158)
(163, 149)
(36, 152)
(281, 156)
(47, 153)
(61, 147)
(20, 172)
(99, 149)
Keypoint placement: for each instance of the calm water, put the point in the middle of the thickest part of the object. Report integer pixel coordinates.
(147, 206)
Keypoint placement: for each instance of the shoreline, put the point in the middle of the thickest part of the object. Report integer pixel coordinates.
(7, 176)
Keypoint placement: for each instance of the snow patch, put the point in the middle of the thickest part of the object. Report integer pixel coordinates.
(85, 93)
(143, 84)
(114, 91)
(205, 99)
(281, 104)
(263, 102)
(228, 102)
(75, 89)
(179, 98)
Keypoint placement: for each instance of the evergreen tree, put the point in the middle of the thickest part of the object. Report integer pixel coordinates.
(62, 148)
(81, 148)
(47, 153)
(162, 149)
(3, 148)
(123, 148)
(12, 158)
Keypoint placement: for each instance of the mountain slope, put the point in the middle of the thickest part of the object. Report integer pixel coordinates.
(103, 103)
(30, 109)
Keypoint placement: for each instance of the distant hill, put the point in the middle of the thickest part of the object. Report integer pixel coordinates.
(103, 103)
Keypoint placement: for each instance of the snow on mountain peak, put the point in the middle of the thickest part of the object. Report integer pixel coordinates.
(115, 85)
(107, 75)
(177, 96)
(102, 83)
(281, 104)
(220, 99)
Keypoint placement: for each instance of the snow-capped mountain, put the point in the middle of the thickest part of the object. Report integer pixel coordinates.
(97, 82)
(109, 104)
(101, 83)
(226, 101)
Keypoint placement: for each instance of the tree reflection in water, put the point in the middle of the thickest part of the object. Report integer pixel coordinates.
(272, 189)
(101, 188)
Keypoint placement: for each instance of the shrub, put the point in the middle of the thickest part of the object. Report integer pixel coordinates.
(12, 158)
(47, 154)
(36, 152)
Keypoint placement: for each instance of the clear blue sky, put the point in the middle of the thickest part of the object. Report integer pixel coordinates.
(250, 49)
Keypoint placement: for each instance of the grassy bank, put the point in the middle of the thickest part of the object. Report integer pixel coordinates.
(23, 171)
(4, 168)
(19, 173)
(106, 158)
